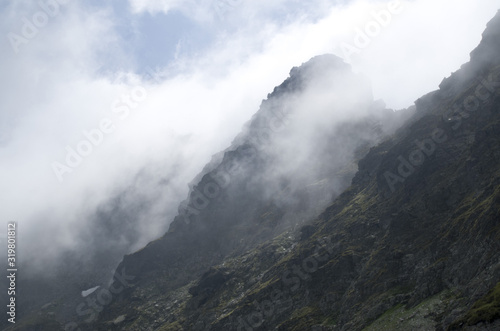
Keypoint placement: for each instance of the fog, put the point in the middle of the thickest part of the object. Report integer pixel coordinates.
(147, 133)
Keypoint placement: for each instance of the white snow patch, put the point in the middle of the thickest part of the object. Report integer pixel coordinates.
(89, 291)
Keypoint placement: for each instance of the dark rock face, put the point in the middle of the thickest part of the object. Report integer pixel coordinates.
(209, 283)
(238, 202)
(413, 243)
(286, 166)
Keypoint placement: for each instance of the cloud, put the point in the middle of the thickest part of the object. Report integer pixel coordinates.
(77, 70)
(233, 13)
(138, 6)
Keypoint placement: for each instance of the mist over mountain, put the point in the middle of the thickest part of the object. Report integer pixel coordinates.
(412, 243)
(326, 211)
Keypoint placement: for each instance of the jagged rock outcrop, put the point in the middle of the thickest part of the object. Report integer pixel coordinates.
(412, 244)
(312, 130)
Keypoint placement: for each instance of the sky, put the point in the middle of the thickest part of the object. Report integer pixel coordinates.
(104, 97)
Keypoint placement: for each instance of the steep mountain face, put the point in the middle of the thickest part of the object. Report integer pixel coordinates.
(297, 153)
(240, 199)
(413, 243)
(409, 239)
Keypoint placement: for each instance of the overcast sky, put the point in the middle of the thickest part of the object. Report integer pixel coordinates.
(165, 84)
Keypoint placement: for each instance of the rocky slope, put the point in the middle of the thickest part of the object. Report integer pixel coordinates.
(413, 243)
(239, 201)
(407, 240)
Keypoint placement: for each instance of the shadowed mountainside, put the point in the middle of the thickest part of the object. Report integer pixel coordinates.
(413, 243)
(407, 240)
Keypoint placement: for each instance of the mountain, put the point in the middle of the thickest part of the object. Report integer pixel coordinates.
(330, 212)
(283, 169)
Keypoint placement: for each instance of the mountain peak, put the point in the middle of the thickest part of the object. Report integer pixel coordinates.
(319, 63)
(486, 54)
(408, 234)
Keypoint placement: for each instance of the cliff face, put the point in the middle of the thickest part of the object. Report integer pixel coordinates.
(411, 240)
(271, 178)
(295, 155)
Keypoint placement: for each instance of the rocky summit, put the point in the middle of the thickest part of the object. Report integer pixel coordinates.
(362, 218)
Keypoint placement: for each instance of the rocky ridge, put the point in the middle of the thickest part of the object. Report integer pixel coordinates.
(407, 240)
(412, 244)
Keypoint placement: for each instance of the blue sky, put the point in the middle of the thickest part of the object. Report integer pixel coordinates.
(213, 61)
(154, 37)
